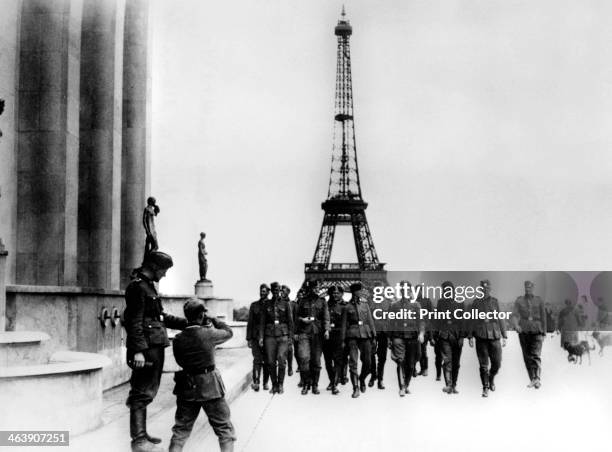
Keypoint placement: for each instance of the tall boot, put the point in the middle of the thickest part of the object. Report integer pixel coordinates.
(226, 446)
(331, 375)
(256, 371)
(304, 374)
(138, 432)
(274, 379)
(355, 381)
(492, 381)
(152, 439)
(343, 377)
(484, 379)
(381, 373)
(281, 380)
(373, 374)
(400, 379)
(448, 381)
(290, 361)
(266, 377)
(336, 380)
(315, 381)
(455, 377)
(408, 374)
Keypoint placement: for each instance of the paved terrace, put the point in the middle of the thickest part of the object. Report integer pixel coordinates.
(572, 411)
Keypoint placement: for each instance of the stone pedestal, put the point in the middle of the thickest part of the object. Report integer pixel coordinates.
(204, 289)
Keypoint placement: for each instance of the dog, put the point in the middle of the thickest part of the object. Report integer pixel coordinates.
(603, 338)
(575, 351)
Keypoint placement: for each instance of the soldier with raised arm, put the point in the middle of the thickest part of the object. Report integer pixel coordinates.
(199, 385)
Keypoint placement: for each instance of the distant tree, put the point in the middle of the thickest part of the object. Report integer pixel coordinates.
(241, 314)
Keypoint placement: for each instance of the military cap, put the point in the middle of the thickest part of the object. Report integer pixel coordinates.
(405, 283)
(264, 286)
(158, 260)
(193, 307)
(356, 287)
(284, 287)
(485, 282)
(529, 284)
(275, 285)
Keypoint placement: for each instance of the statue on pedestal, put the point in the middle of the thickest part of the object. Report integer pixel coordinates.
(202, 261)
(148, 221)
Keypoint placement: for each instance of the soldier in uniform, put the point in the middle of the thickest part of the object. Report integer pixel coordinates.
(379, 352)
(311, 321)
(285, 291)
(529, 320)
(145, 323)
(345, 351)
(488, 334)
(256, 310)
(333, 349)
(569, 324)
(451, 333)
(275, 331)
(358, 332)
(407, 335)
(424, 361)
(199, 384)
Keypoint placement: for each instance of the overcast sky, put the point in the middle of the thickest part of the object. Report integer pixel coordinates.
(483, 134)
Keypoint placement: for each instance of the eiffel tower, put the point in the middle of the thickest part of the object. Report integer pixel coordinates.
(344, 204)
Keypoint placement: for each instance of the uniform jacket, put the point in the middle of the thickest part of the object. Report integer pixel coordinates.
(335, 315)
(487, 329)
(529, 314)
(452, 327)
(406, 328)
(427, 304)
(144, 318)
(277, 320)
(569, 325)
(357, 321)
(256, 311)
(381, 325)
(315, 308)
(194, 351)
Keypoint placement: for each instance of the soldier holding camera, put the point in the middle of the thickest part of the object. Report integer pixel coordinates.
(199, 384)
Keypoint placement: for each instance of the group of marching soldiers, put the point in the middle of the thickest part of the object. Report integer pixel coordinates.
(345, 332)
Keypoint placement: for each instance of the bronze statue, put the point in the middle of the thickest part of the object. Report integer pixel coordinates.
(148, 221)
(202, 261)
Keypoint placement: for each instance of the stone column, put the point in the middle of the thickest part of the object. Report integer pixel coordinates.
(48, 142)
(136, 134)
(9, 62)
(99, 218)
